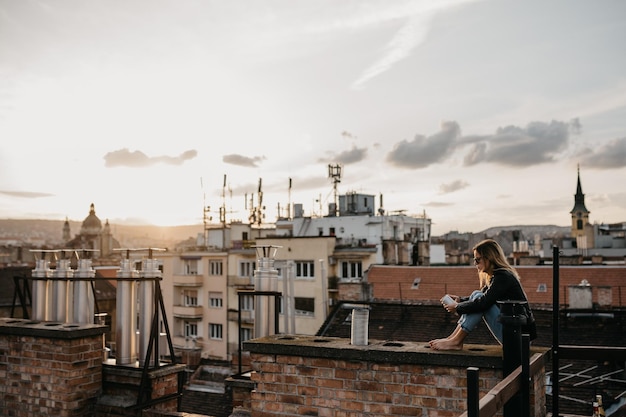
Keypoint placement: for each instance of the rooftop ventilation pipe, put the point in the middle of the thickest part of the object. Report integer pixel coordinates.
(41, 275)
(265, 281)
(126, 314)
(84, 302)
(62, 291)
(148, 307)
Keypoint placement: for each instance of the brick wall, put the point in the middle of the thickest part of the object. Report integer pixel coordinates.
(398, 282)
(49, 368)
(121, 388)
(302, 375)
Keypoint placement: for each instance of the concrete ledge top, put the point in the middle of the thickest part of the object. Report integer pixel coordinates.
(381, 351)
(49, 329)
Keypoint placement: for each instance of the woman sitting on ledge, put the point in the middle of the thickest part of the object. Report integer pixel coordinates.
(498, 281)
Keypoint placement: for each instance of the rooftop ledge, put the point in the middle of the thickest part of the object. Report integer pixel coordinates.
(49, 329)
(387, 351)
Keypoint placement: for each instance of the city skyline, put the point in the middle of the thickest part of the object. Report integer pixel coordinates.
(476, 113)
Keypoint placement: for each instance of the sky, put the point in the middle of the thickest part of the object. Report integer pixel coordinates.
(475, 113)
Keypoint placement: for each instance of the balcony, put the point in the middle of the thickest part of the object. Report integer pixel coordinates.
(247, 316)
(236, 281)
(188, 312)
(188, 280)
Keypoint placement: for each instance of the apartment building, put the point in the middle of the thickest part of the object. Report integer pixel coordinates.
(195, 296)
(211, 286)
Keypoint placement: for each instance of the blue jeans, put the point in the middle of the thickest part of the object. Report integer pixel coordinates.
(469, 321)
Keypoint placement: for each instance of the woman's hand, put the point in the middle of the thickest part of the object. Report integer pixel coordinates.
(451, 308)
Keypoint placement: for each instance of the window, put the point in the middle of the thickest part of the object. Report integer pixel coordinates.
(215, 331)
(304, 306)
(215, 300)
(247, 303)
(190, 298)
(191, 329)
(190, 266)
(246, 334)
(542, 287)
(305, 269)
(246, 268)
(216, 268)
(351, 269)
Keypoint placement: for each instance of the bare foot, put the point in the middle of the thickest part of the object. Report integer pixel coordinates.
(445, 344)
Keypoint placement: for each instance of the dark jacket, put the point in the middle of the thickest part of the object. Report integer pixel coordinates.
(503, 286)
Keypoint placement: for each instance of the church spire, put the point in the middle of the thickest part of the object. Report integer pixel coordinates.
(579, 198)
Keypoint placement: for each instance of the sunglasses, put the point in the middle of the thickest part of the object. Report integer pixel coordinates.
(477, 260)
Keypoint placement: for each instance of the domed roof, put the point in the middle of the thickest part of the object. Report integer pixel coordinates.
(92, 224)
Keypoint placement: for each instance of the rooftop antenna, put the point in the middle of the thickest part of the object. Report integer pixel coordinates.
(289, 201)
(334, 173)
(223, 208)
(256, 212)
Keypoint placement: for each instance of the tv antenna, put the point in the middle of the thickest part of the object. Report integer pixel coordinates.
(334, 173)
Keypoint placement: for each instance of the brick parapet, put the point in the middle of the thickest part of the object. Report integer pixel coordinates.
(304, 375)
(49, 368)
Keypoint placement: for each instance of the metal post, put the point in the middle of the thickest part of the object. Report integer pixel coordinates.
(512, 317)
(555, 331)
(525, 411)
(473, 397)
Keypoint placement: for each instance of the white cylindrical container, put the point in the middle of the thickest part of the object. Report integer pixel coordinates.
(360, 323)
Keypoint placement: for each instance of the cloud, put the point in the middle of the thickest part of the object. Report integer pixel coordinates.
(410, 35)
(351, 156)
(610, 155)
(137, 159)
(418, 18)
(243, 161)
(453, 186)
(537, 143)
(423, 151)
(25, 194)
(438, 204)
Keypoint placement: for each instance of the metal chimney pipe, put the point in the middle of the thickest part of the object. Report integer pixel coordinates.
(265, 279)
(62, 291)
(126, 314)
(147, 309)
(84, 303)
(41, 275)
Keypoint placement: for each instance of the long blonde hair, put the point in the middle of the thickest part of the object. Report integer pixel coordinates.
(490, 250)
